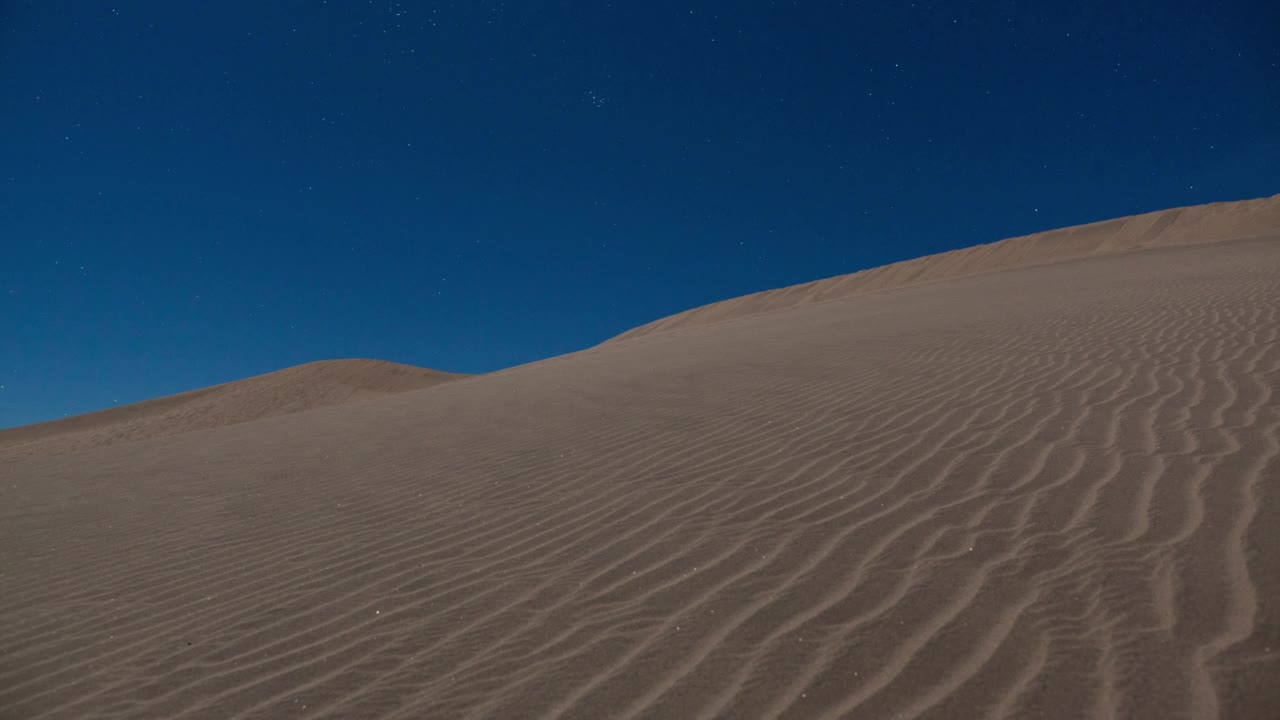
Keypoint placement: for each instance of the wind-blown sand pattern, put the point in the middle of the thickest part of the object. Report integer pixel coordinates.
(1051, 492)
(313, 385)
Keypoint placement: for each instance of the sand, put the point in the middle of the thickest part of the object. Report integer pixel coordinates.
(303, 387)
(1051, 491)
(1180, 226)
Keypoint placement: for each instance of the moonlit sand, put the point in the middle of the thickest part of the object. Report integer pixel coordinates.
(1032, 479)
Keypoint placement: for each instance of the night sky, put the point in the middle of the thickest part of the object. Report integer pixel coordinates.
(195, 192)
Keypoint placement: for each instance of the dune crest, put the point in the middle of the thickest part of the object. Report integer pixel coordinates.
(283, 392)
(1052, 492)
(1179, 226)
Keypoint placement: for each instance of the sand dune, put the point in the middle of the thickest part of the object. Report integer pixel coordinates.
(316, 384)
(1179, 226)
(1050, 492)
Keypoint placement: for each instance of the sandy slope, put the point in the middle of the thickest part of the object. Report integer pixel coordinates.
(316, 384)
(1203, 223)
(1048, 492)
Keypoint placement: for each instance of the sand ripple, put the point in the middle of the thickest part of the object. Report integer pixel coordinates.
(1050, 492)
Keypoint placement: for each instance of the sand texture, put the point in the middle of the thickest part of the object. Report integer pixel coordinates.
(1048, 492)
(313, 385)
(1179, 226)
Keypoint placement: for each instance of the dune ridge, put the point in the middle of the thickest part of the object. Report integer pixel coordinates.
(1195, 224)
(931, 503)
(282, 392)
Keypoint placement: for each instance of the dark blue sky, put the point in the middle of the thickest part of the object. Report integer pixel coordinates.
(195, 192)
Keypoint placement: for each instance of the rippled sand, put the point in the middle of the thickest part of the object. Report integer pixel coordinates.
(1051, 491)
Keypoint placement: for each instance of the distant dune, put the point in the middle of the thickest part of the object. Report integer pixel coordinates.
(1180, 226)
(1051, 491)
(304, 387)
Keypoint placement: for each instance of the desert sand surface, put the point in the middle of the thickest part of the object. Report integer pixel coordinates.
(1214, 222)
(303, 387)
(1051, 491)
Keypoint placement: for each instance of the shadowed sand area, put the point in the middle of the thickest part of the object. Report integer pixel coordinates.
(1051, 491)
